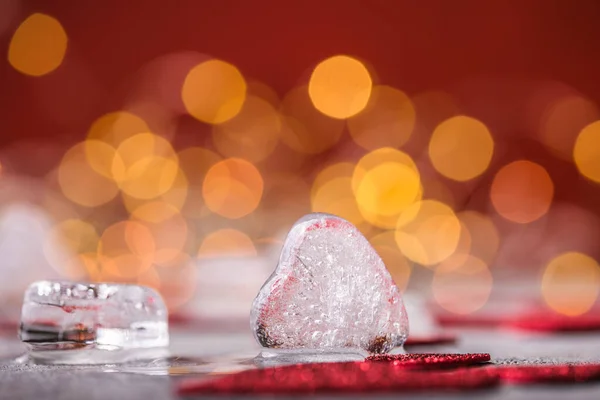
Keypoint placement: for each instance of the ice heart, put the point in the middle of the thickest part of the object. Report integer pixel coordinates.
(330, 291)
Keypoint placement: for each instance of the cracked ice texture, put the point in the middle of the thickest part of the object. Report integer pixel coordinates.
(330, 291)
(60, 315)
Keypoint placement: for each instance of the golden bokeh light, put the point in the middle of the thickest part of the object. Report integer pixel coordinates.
(252, 134)
(66, 242)
(214, 91)
(562, 122)
(126, 249)
(336, 197)
(176, 196)
(340, 86)
(385, 182)
(206, 166)
(587, 152)
(388, 189)
(154, 212)
(227, 243)
(305, 129)
(81, 183)
(397, 264)
(194, 163)
(233, 188)
(387, 121)
(522, 191)
(378, 157)
(331, 172)
(485, 239)
(38, 46)
(114, 127)
(571, 283)
(168, 228)
(145, 166)
(139, 147)
(464, 289)
(149, 177)
(461, 148)
(371, 161)
(101, 157)
(428, 232)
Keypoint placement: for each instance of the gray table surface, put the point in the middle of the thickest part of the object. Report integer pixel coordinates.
(22, 381)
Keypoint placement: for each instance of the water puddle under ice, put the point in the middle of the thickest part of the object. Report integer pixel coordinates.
(141, 362)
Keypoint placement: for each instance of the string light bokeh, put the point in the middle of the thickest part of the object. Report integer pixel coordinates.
(161, 165)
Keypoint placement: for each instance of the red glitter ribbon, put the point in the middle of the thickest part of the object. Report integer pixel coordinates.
(388, 373)
(427, 361)
(523, 374)
(341, 377)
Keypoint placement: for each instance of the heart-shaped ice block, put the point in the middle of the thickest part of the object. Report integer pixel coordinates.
(330, 291)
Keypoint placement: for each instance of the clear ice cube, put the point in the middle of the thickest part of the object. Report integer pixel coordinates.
(85, 322)
(330, 294)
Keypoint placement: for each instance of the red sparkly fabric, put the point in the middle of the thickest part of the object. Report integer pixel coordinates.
(432, 360)
(523, 374)
(341, 377)
(388, 373)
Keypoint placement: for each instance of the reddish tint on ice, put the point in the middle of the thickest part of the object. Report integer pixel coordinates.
(330, 291)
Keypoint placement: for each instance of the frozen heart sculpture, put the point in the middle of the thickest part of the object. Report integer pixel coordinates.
(330, 291)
